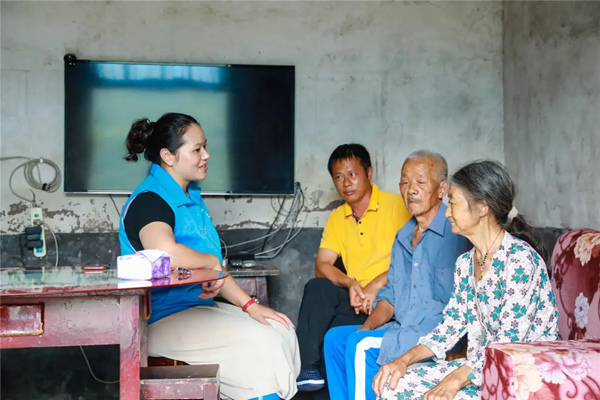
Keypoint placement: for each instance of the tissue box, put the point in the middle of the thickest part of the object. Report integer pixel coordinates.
(145, 264)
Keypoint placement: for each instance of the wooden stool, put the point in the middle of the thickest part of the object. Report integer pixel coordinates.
(180, 382)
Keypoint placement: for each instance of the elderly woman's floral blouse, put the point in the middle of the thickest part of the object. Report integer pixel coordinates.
(513, 302)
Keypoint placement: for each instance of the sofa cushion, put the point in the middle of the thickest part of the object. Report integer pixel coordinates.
(542, 371)
(575, 279)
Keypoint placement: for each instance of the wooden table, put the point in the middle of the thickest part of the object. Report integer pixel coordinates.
(65, 307)
(254, 280)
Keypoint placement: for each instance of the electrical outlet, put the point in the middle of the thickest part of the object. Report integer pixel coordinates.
(37, 219)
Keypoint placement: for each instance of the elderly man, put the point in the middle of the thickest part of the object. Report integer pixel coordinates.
(420, 280)
(360, 232)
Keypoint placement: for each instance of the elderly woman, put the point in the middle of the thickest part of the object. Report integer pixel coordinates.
(501, 292)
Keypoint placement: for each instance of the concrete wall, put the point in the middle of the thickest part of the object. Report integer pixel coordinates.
(395, 76)
(552, 110)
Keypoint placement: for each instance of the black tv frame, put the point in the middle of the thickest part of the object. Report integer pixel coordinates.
(71, 187)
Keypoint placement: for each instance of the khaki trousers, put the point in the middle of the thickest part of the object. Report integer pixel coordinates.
(255, 359)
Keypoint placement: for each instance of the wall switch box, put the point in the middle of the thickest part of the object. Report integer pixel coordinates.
(37, 220)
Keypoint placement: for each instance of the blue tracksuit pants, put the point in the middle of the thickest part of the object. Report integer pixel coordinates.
(351, 362)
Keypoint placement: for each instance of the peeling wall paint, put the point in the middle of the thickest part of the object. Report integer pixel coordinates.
(395, 76)
(98, 218)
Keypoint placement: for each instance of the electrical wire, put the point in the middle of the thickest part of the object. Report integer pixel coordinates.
(292, 215)
(36, 183)
(290, 236)
(273, 223)
(224, 247)
(279, 199)
(275, 232)
(280, 247)
(92, 372)
(267, 237)
(285, 241)
(55, 242)
(277, 249)
(254, 240)
(289, 222)
(114, 204)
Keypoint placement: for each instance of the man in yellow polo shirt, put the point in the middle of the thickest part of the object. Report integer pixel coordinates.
(360, 232)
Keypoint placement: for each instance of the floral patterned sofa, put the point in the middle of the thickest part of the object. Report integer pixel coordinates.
(567, 369)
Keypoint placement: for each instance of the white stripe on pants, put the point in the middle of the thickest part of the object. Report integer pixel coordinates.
(360, 365)
(255, 359)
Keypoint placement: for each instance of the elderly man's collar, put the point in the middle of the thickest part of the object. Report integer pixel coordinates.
(439, 221)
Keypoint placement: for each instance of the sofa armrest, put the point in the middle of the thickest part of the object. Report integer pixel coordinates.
(542, 370)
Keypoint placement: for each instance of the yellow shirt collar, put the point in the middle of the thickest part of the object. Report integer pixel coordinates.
(373, 202)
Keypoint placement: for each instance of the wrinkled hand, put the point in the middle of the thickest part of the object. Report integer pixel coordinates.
(370, 293)
(445, 390)
(356, 296)
(260, 313)
(211, 289)
(392, 371)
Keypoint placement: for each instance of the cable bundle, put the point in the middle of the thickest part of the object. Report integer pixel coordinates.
(290, 222)
(36, 183)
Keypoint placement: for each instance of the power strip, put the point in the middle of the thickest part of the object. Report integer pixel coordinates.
(37, 219)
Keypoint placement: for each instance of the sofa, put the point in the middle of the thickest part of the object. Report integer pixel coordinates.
(565, 369)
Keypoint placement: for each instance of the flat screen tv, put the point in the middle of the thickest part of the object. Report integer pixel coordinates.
(246, 111)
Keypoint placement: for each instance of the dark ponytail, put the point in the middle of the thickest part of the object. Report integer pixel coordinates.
(150, 137)
(137, 139)
(519, 227)
(488, 181)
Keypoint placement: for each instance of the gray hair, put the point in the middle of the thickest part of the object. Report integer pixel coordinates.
(439, 162)
(488, 181)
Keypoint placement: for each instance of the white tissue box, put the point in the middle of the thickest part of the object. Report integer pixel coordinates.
(145, 264)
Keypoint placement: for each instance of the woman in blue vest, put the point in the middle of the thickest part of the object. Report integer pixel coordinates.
(255, 346)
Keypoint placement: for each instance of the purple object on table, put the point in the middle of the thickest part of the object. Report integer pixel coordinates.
(144, 264)
(161, 267)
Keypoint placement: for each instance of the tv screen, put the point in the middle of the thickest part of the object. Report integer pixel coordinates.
(246, 111)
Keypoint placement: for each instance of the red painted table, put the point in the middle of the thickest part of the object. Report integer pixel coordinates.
(47, 307)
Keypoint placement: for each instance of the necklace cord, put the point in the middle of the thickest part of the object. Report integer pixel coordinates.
(481, 264)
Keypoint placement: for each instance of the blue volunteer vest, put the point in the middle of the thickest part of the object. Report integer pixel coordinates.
(193, 228)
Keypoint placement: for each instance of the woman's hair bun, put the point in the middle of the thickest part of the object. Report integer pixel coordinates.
(138, 137)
